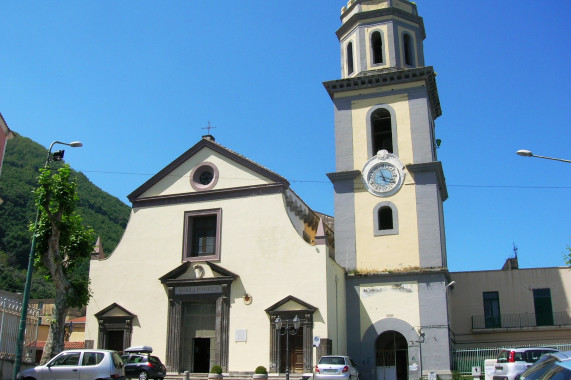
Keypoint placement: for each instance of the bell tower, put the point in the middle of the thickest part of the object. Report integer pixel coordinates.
(389, 190)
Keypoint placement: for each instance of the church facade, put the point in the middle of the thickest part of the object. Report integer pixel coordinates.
(218, 247)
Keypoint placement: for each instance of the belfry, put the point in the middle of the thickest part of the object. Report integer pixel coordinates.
(389, 189)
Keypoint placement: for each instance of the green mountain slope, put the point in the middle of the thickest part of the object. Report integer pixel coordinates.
(107, 215)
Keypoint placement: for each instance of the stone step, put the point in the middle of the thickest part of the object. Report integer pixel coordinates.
(236, 376)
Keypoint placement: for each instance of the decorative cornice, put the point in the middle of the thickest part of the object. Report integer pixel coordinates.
(370, 80)
(399, 272)
(211, 195)
(395, 12)
(172, 278)
(343, 176)
(435, 167)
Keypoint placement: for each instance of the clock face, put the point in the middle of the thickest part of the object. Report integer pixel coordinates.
(383, 174)
(383, 177)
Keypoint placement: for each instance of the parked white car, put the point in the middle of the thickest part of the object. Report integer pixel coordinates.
(512, 362)
(335, 367)
(78, 365)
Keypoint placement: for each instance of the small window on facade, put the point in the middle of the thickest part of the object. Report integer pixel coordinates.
(492, 316)
(349, 58)
(202, 235)
(204, 176)
(543, 307)
(408, 49)
(377, 46)
(381, 130)
(385, 215)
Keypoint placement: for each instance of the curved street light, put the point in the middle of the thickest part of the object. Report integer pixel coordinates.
(56, 156)
(527, 153)
(287, 324)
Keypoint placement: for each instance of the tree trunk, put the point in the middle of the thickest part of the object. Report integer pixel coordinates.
(52, 259)
(56, 335)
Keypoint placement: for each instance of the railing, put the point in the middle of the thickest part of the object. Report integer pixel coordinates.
(517, 321)
(10, 313)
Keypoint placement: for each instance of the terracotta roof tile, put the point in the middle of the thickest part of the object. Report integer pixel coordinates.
(40, 344)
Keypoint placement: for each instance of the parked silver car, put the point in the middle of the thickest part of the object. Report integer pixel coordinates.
(78, 365)
(336, 367)
(554, 366)
(512, 362)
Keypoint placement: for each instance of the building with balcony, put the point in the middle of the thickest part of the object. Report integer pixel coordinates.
(510, 307)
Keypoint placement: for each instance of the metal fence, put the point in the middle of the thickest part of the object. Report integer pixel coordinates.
(464, 359)
(10, 313)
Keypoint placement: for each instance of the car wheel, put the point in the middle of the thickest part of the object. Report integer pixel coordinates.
(143, 375)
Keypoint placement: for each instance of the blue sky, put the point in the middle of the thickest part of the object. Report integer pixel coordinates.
(137, 81)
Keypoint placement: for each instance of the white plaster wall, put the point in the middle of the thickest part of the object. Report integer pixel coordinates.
(231, 175)
(389, 300)
(258, 243)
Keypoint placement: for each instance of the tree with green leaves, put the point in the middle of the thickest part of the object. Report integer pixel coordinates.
(63, 245)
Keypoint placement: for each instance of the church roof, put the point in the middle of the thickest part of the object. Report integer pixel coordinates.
(208, 142)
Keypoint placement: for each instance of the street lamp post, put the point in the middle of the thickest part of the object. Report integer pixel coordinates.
(287, 325)
(527, 153)
(57, 156)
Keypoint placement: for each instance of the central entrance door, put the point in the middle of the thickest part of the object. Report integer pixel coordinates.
(198, 335)
(201, 357)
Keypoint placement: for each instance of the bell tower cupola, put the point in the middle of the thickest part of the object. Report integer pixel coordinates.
(380, 35)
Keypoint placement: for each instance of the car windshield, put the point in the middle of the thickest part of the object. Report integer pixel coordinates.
(332, 360)
(117, 362)
(536, 371)
(67, 358)
(92, 358)
(133, 359)
(154, 360)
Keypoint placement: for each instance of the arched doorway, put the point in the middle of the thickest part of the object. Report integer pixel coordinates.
(391, 356)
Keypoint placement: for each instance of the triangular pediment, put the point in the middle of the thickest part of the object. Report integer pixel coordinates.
(231, 171)
(290, 304)
(197, 273)
(114, 310)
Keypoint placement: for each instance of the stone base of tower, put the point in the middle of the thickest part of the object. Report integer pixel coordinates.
(398, 325)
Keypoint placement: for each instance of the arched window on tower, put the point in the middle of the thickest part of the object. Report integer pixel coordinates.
(386, 219)
(385, 215)
(349, 58)
(408, 49)
(377, 47)
(381, 131)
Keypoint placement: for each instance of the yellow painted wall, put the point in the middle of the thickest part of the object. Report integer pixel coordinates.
(388, 251)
